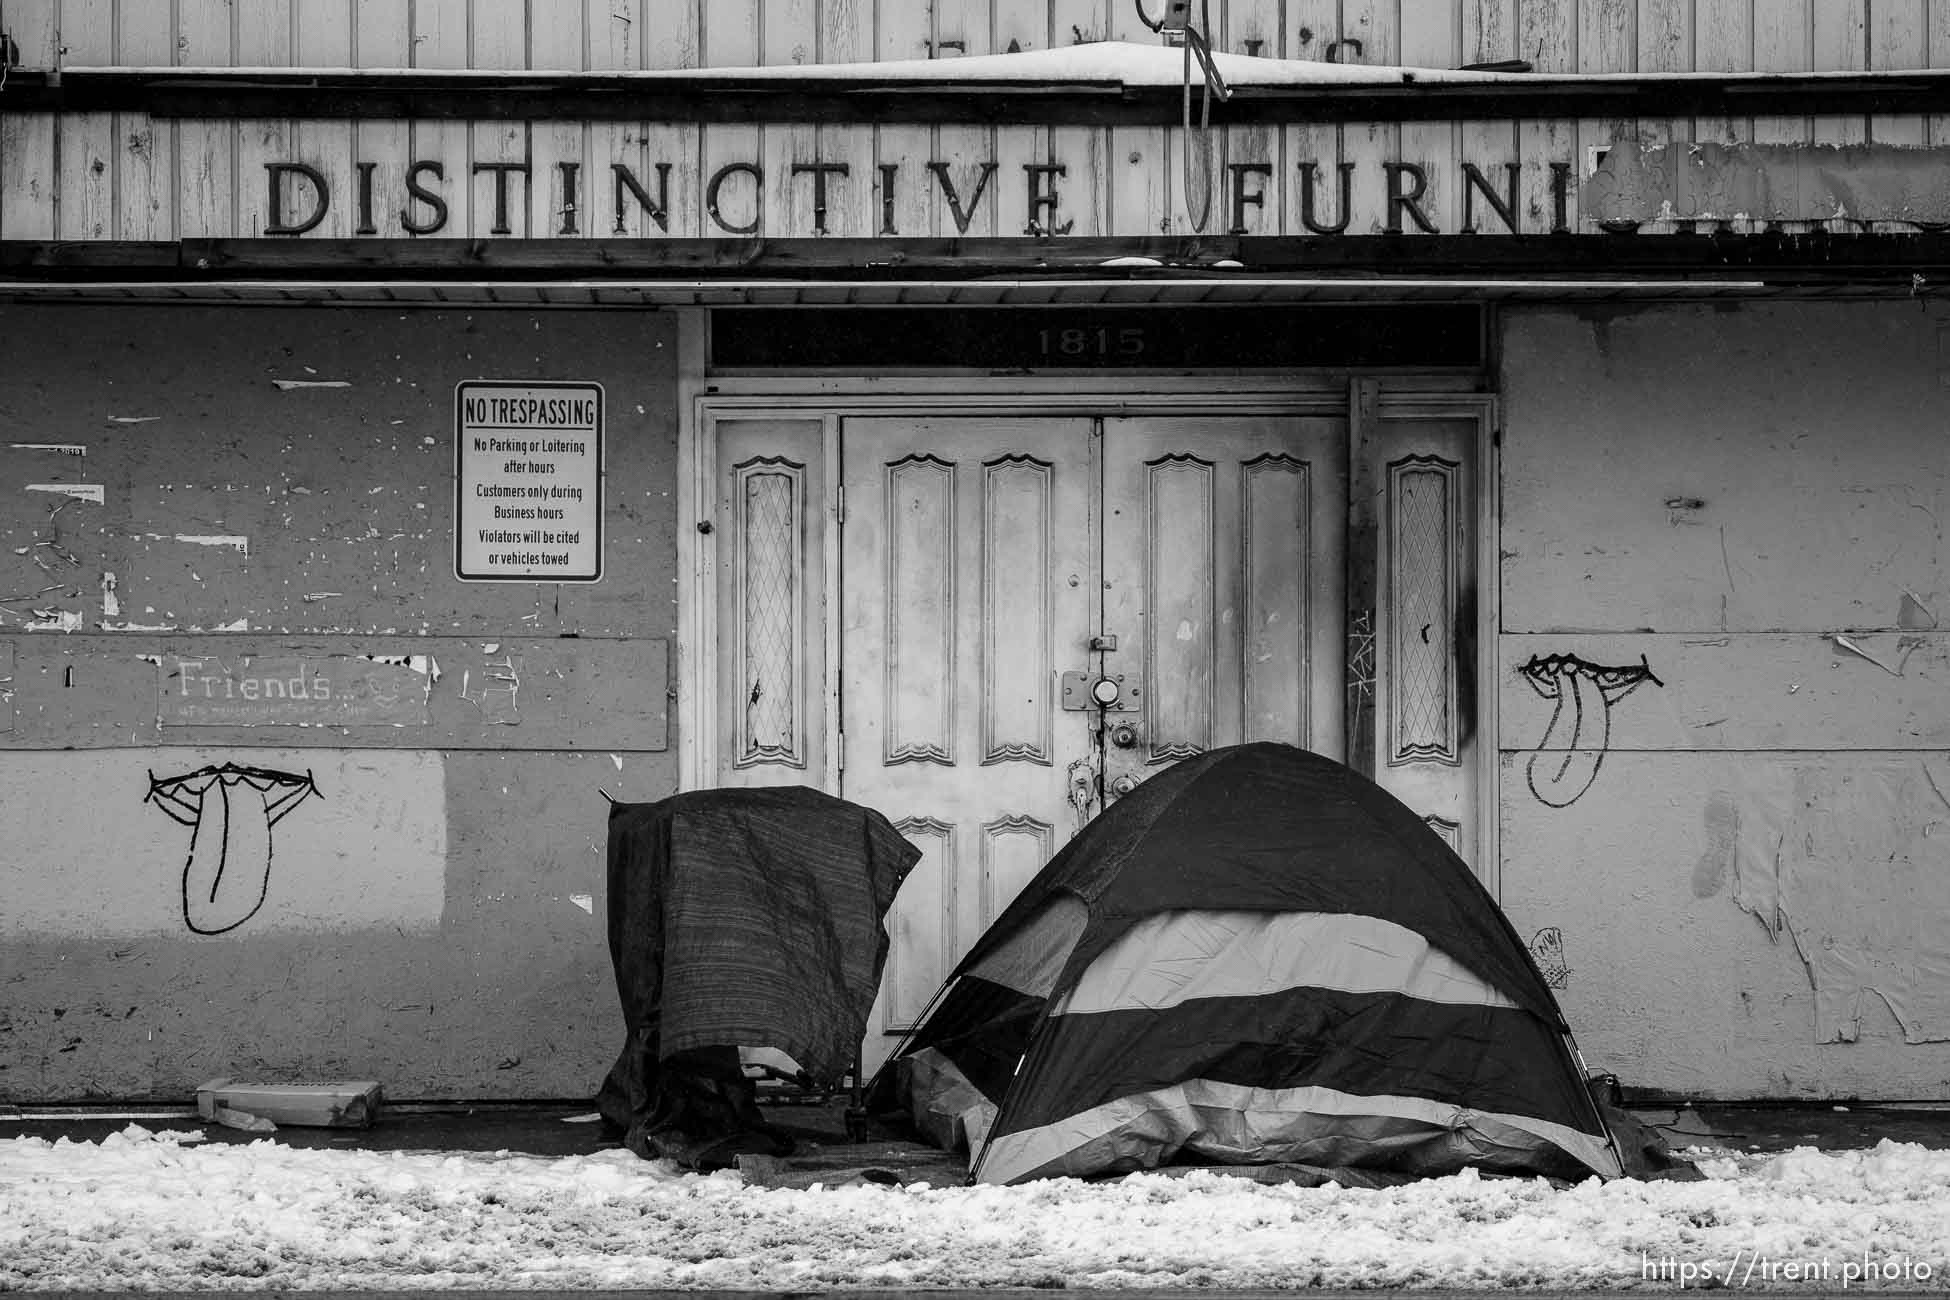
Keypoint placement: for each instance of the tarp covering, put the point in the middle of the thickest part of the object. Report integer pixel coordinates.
(739, 918)
(1257, 957)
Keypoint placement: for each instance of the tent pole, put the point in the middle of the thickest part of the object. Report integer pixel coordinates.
(908, 1036)
(1597, 1112)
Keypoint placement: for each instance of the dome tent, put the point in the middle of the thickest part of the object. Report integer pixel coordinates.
(1256, 957)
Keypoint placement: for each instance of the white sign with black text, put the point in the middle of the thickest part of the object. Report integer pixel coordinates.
(528, 471)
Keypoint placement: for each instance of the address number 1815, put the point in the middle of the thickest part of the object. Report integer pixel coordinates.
(1101, 342)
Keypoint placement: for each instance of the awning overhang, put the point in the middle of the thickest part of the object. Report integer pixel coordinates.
(1053, 291)
(964, 272)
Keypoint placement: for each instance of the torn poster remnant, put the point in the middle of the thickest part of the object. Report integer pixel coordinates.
(321, 691)
(1700, 181)
(1844, 643)
(496, 698)
(1853, 863)
(92, 492)
(426, 665)
(241, 544)
(1912, 615)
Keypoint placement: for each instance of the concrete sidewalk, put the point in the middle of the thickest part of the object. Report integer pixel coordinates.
(824, 1149)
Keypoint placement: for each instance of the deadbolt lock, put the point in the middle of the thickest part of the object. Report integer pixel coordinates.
(1111, 692)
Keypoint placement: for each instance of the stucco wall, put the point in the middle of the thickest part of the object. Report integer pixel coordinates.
(1725, 816)
(408, 889)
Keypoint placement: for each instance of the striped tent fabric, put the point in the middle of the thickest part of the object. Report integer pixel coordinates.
(1257, 957)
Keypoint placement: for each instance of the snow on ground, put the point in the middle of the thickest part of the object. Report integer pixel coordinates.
(158, 1210)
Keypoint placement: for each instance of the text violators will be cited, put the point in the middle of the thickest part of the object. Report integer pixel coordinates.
(1752, 1267)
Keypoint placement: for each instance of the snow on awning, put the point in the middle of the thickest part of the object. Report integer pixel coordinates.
(1098, 63)
(1111, 63)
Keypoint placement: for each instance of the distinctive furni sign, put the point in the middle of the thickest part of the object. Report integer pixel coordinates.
(299, 196)
(230, 811)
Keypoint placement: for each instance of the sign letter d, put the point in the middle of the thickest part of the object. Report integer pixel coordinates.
(321, 197)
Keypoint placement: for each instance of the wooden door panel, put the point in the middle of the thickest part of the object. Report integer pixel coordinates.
(916, 657)
(1014, 849)
(1425, 584)
(1181, 637)
(1280, 572)
(917, 951)
(968, 583)
(1223, 563)
(771, 514)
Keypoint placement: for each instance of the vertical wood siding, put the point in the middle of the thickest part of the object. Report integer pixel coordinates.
(574, 35)
(125, 176)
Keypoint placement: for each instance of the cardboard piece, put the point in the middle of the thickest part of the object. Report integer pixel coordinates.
(317, 1105)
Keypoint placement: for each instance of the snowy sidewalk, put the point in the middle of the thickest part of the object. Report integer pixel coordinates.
(159, 1206)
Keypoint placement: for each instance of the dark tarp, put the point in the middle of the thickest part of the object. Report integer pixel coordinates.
(739, 918)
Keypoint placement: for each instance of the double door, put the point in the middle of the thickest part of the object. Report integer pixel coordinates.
(991, 627)
(1039, 614)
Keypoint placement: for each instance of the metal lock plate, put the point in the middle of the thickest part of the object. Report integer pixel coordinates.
(1079, 692)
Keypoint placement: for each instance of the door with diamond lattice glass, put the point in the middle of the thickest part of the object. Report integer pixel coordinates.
(770, 533)
(1420, 727)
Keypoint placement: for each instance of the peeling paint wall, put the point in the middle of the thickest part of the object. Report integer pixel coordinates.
(286, 798)
(1723, 672)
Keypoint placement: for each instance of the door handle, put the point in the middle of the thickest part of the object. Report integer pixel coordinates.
(1123, 785)
(1083, 787)
(1123, 735)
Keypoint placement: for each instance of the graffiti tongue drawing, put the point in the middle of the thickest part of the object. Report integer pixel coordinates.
(230, 811)
(1566, 761)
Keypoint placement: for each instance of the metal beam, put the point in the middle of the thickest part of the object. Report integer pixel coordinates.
(1917, 261)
